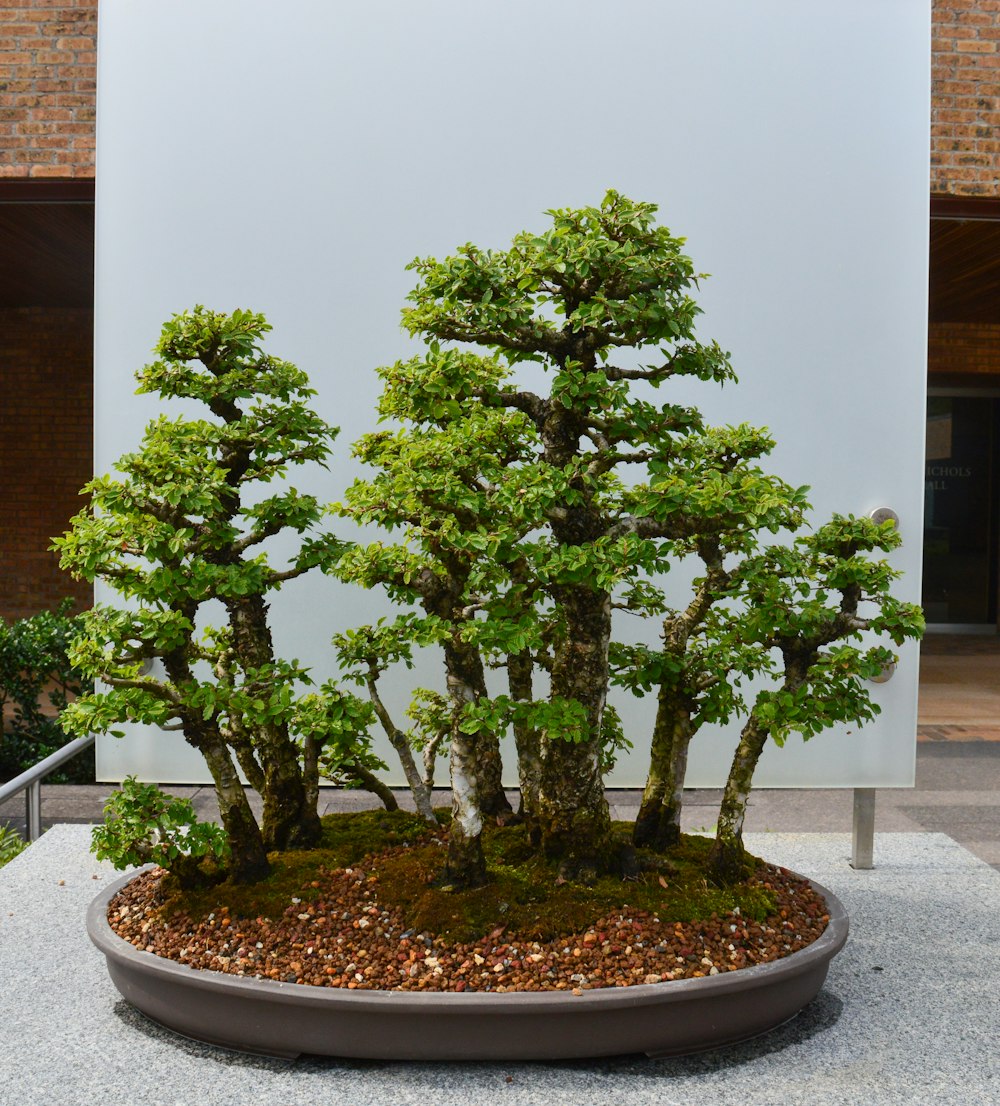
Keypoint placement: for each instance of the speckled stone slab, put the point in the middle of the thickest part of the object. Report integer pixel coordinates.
(909, 1013)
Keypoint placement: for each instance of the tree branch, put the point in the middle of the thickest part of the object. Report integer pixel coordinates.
(532, 405)
(152, 687)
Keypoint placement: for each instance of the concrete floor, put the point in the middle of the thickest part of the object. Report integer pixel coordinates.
(906, 1017)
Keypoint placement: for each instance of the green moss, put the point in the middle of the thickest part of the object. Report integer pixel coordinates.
(525, 895)
(350, 837)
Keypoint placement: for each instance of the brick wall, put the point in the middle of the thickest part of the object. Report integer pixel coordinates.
(964, 349)
(46, 411)
(48, 82)
(965, 97)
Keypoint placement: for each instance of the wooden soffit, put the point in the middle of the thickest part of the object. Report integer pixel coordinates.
(46, 243)
(964, 260)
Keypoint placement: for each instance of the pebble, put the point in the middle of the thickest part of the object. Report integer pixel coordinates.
(619, 950)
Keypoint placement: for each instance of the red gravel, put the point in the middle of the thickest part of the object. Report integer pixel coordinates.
(345, 938)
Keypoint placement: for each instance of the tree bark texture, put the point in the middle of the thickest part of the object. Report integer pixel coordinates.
(726, 860)
(467, 684)
(573, 812)
(370, 782)
(466, 865)
(290, 821)
(658, 823)
(528, 742)
(248, 861)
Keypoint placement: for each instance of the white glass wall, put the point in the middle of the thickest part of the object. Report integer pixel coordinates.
(292, 158)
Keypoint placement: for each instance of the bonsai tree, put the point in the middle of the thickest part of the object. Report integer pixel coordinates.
(728, 501)
(441, 480)
(616, 489)
(804, 608)
(182, 527)
(599, 282)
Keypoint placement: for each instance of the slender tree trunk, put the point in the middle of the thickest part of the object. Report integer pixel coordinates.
(290, 821)
(673, 798)
(466, 865)
(311, 749)
(248, 861)
(239, 742)
(418, 789)
(370, 782)
(726, 860)
(573, 812)
(490, 795)
(493, 801)
(658, 823)
(467, 684)
(528, 742)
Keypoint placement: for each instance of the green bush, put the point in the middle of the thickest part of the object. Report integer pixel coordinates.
(36, 682)
(144, 825)
(11, 843)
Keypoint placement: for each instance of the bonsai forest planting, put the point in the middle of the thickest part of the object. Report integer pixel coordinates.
(531, 491)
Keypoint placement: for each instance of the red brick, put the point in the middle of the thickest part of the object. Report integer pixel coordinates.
(45, 450)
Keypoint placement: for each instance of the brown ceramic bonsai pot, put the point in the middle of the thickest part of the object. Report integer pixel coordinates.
(288, 1019)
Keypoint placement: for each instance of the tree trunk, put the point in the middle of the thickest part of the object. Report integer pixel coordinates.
(290, 821)
(418, 789)
(573, 812)
(726, 863)
(658, 823)
(528, 742)
(466, 865)
(370, 782)
(493, 801)
(248, 862)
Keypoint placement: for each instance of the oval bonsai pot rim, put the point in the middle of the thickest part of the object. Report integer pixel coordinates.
(288, 1019)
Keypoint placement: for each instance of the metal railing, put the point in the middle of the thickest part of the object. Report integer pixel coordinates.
(30, 782)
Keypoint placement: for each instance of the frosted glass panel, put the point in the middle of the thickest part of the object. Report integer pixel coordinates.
(293, 158)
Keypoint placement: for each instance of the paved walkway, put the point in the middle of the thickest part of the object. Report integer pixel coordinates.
(907, 1016)
(957, 792)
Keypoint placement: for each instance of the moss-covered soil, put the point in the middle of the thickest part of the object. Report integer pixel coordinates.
(526, 897)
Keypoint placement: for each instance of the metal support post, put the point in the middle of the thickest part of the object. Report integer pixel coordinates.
(863, 846)
(33, 809)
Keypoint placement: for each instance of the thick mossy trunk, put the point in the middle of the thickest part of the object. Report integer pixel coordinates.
(726, 862)
(248, 861)
(528, 742)
(573, 813)
(658, 823)
(290, 819)
(573, 816)
(493, 801)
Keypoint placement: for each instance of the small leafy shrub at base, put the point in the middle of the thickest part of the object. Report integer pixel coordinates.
(144, 825)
